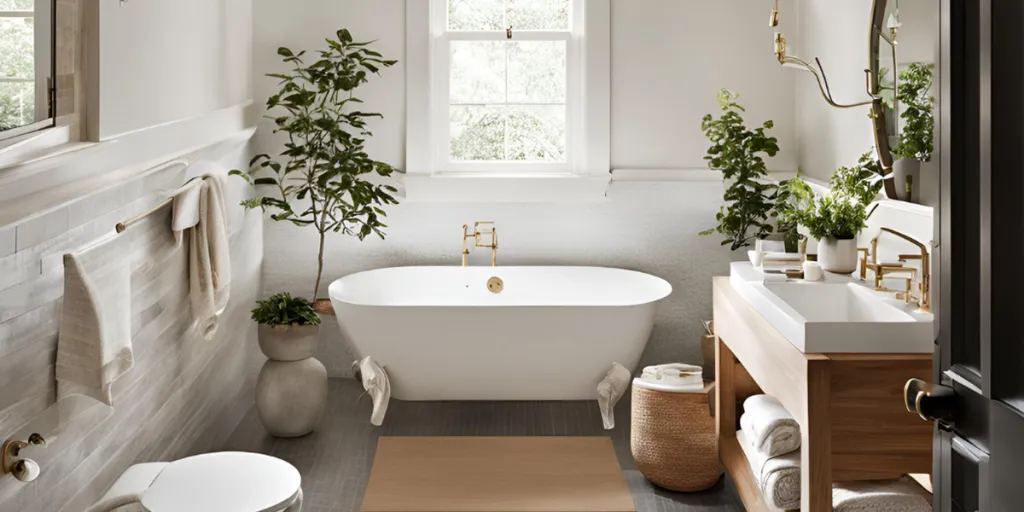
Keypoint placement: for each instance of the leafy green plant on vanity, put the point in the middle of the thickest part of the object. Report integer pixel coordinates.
(754, 202)
(836, 218)
(322, 176)
(917, 134)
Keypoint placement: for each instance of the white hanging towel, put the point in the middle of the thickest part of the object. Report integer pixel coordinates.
(200, 214)
(610, 390)
(674, 377)
(377, 384)
(94, 346)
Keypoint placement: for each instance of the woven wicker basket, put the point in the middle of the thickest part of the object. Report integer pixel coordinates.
(673, 439)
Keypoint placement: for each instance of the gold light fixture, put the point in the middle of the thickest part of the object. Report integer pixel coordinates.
(817, 70)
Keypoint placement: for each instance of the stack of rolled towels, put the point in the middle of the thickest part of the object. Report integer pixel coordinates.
(770, 438)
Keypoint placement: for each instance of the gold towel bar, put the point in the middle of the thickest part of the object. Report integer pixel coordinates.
(121, 226)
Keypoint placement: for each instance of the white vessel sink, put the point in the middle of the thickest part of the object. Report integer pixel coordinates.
(839, 315)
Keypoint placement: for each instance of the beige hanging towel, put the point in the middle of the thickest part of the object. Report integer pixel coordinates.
(94, 346)
(200, 215)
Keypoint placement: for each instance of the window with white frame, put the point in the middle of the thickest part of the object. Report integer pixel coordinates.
(505, 67)
(26, 66)
(508, 87)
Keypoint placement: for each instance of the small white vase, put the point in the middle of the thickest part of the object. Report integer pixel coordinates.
(838, 256)
(904, 169)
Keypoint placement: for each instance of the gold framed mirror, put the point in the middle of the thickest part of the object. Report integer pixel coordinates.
(883, 47)
(902, 52)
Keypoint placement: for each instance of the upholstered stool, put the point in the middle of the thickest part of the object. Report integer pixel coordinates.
(212, 482)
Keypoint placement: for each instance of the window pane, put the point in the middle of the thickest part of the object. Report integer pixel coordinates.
(475, 14)
(17, 54)
(17, 105)
(536, 72)
(538, 14)
(536, 133)
(17, 5)
(477, 72)
(477, 133)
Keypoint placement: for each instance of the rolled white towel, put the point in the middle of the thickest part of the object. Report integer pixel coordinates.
(769, 426)
(778, 477)
(900, 495)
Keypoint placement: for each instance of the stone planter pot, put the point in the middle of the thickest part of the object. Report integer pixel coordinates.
(838, 256)
(291, 390)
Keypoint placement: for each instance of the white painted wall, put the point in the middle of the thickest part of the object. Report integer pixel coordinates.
(669, 60)
(167, 60)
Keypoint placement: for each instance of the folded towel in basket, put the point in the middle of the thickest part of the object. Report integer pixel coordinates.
(769, 426)
(778, 477)
(901, 495)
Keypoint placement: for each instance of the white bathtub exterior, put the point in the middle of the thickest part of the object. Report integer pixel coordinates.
(552, 334)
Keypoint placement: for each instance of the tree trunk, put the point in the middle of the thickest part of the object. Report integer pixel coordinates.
(319, 267)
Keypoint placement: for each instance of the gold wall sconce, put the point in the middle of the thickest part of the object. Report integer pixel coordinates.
(815, 69)
(25, 470)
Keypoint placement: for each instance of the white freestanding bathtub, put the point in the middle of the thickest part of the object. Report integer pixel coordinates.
(551, 334)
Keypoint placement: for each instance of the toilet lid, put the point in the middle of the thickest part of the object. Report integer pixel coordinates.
(224, 482)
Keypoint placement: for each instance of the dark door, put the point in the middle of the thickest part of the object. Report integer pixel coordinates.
(979, 438)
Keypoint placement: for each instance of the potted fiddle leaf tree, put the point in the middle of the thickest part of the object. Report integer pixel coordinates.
(916, 136)
(324, 176)
(753, 201)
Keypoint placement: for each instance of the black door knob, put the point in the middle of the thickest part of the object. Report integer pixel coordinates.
(929, 401)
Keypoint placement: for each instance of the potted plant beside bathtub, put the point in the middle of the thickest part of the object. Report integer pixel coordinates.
(752, 200)
(291, 390)
(324, 177)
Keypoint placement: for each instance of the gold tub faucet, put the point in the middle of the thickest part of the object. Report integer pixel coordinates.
(477, 236)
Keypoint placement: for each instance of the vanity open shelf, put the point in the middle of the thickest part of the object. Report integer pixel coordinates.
(854, 425)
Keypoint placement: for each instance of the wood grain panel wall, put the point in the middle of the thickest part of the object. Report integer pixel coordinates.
(184, 395)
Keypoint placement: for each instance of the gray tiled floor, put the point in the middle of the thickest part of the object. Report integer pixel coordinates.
(335, 461)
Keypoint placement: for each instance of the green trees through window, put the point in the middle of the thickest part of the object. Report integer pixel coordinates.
(17, 64)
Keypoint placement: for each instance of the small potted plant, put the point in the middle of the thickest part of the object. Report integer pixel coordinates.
(288, 327)
(836, 218)
(753, 200)
(291, 390)
(916, 138)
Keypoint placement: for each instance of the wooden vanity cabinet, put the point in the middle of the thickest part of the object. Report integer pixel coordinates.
(853, 421)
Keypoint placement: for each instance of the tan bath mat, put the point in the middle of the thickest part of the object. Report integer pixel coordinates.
(496, 474)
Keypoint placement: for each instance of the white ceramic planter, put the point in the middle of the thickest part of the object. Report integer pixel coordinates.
(291, 390)
(838, 256)
(902, 169)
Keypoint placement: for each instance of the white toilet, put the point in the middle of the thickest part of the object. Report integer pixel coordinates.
(212, 482)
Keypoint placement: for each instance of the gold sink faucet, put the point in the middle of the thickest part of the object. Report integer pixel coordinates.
(477, 235)
(885, 269)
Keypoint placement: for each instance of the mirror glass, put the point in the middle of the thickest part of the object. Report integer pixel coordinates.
(905, 48)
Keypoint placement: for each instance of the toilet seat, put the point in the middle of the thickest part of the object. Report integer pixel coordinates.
(224, 482)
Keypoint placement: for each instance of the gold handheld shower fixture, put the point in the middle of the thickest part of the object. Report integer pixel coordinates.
(817, 70)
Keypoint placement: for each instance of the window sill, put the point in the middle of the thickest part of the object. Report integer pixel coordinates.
(505, 188)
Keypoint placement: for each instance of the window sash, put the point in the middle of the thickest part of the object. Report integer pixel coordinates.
(51, 120)
(441, 91)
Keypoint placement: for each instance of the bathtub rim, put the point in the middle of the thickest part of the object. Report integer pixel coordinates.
(665, 293)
